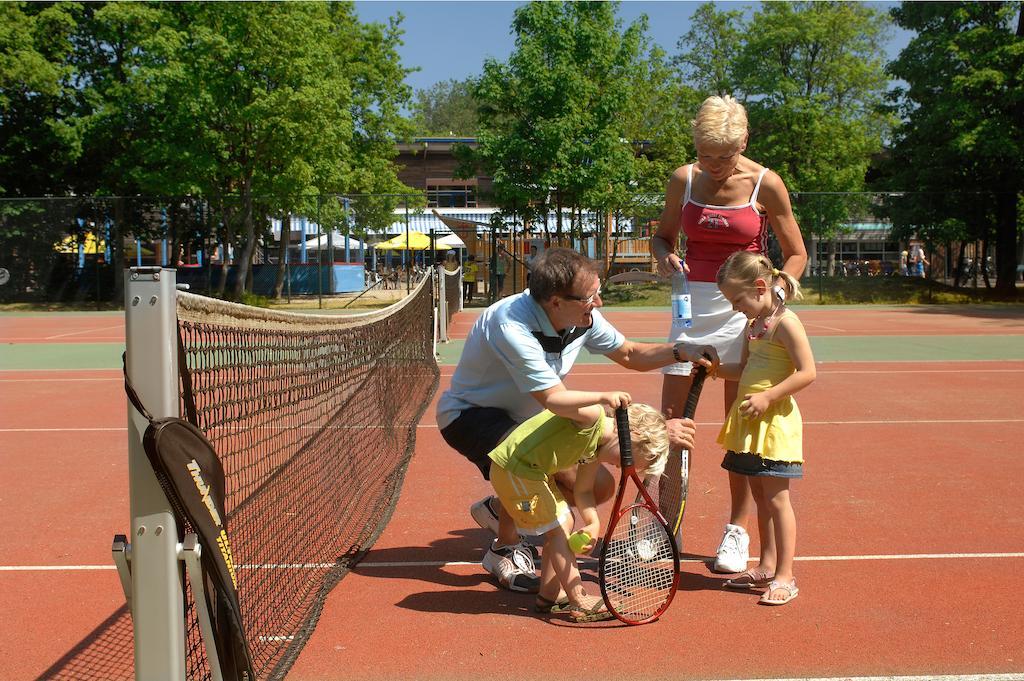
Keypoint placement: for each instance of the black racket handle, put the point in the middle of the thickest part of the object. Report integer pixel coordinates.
(625, 441)
(696, 385)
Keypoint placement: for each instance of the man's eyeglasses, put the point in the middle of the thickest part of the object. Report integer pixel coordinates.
(586, 301)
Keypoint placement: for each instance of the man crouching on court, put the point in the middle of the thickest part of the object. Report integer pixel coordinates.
(513, 362)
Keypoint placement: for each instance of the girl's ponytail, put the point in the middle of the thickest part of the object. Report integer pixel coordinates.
(747, 267)
(791, 283)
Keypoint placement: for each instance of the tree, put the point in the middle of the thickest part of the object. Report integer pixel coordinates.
(814, 78)
(446, 109)
(268, 106)
(709, 51)
(36, 97)
(961, 139)
(36, 143)
(553, 118)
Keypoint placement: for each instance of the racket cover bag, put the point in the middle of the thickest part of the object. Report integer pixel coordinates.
(191, 475)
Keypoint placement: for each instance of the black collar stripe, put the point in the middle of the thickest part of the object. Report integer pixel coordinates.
(557, 344)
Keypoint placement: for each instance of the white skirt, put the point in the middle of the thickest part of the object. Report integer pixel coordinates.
(715, 323)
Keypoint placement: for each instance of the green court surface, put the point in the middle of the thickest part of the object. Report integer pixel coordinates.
(40, 357)
(859, 349)
(56, 356)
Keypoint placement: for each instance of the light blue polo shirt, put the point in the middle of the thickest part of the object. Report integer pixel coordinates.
(503, 361)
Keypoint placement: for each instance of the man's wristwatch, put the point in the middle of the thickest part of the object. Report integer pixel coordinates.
(675, 353)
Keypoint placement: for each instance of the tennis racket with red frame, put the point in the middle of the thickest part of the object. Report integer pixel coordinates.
(639, 566)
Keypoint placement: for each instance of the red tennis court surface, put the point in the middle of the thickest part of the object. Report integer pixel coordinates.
(910, 549)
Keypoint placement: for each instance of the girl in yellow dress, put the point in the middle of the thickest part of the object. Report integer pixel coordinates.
(763, 431)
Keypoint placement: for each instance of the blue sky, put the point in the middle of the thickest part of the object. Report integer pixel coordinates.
(450, 39)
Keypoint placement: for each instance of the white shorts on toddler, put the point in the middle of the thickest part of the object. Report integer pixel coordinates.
(715, 323)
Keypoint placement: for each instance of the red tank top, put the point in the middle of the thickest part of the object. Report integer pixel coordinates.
(713, 233)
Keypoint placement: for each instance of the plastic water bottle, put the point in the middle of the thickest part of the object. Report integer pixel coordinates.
(682, 315)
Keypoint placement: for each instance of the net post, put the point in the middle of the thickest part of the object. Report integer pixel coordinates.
(442, 302)
(435, 326)
(158, 617)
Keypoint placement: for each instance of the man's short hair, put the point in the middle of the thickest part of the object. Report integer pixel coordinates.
(555, 271)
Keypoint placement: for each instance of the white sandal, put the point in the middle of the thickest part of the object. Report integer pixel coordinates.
(788, 587)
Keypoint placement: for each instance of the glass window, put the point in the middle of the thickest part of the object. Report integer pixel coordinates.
(451, 195)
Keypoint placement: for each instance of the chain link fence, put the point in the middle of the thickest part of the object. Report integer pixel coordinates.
(74, 249)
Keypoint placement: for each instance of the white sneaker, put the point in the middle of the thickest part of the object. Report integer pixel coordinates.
(485, 513)
(734, 551)
(513, 567)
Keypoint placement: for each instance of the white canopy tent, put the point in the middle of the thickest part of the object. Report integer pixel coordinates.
(337, 240)
(450, 241)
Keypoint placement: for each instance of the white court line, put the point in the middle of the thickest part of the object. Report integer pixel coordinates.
(824, 368)
(433, 426)
(75, 333)
(826, 372)
(461, 563)
(822, 326)
(849, 423)
(58, 380)
(64, 430)
(35, 340)
(896, 423)
(620, 372)
(928, 677)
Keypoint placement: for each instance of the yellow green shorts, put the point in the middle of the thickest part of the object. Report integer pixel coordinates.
(536, 506)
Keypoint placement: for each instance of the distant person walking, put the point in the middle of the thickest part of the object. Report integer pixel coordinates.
(469, 272)
(919, 261)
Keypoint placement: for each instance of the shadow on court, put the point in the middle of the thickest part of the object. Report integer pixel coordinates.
(472, 591)
(107, 652)
(700, 581)
(1011, 312)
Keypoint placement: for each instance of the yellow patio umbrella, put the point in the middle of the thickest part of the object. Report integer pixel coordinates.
(70, 245)
(417, 241)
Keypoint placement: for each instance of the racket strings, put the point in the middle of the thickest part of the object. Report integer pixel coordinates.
(640, 567)
(669, 491)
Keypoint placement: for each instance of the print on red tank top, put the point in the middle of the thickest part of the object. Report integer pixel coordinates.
(713, 233)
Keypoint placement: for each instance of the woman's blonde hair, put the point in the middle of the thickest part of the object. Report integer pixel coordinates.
(721, 121)
(649, 433)
(745, 267)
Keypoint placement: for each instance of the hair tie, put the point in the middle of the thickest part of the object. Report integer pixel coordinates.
(775, 272)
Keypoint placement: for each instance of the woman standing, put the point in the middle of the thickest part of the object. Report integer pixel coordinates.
(722, 203)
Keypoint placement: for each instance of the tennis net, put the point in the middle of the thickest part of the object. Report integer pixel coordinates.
(314, 418)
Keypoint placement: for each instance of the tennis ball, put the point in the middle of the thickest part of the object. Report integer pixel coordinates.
(646, 549)
(578, 540)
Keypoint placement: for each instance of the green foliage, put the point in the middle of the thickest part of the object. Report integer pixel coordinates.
(36, 97)
(446, 109)
(710, 50)
(961, 139)
(272, 103)
(811, 76)
(557, 120)
(254, 300)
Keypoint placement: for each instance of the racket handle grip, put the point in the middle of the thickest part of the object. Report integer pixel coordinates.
(696, 385)
(625, 441)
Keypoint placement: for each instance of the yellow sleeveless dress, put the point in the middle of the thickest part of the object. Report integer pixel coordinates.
(778, 434)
